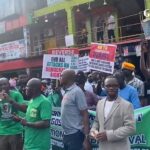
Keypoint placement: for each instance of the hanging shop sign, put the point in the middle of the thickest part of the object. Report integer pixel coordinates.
(12, 50)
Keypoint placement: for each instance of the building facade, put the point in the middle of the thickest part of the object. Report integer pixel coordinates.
(32, 28)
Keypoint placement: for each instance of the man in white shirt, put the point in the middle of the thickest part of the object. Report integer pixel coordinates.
(88, 84)
(111, 25)
(114, 120)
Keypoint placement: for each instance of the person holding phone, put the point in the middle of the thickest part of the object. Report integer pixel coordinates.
(10, 131)
(145, 67)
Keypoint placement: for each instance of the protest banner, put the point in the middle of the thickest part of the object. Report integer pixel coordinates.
(83, 63)
(139, 141)
(58, 60)
(53, 65)
(102, 57)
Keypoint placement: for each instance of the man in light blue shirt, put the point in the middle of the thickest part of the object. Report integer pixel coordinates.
(127, 92)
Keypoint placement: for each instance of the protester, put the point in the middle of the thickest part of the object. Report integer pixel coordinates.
(145, 64)
(114, 120)
(88, 84)
(84, 35)
(145, 68)
(127, 92)
(21, 85)
(44, 88)
(55, 97)
(128, 70)
(10, 131)
(111, 25)
(37, 120)
(74, 114)
(96, 77)
(13, 84)
(100, 24)
(91, 98)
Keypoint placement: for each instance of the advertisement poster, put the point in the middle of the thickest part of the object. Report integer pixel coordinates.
(12, 50)
(139, 141)
(58, 60)
(83, 63)
(102, 57)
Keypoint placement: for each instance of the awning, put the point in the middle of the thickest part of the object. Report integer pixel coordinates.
(21, 64)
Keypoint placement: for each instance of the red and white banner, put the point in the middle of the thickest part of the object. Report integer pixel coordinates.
(102, 57)
(59, 60)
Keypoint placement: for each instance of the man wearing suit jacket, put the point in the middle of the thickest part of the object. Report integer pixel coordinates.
(114, 120)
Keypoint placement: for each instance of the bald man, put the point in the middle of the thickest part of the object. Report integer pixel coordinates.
(37, 120)
(74, 113)
(10, 131)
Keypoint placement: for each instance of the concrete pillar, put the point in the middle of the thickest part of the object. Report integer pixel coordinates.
(147, 4)
(70, 21)
(89, 27)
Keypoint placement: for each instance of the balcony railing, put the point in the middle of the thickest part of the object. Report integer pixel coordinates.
(129, 31)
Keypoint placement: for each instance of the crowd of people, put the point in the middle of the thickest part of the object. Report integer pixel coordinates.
(26, 108)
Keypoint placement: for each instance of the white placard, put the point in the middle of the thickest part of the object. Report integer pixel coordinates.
(69, 40)
(83, 63)
(12, 50)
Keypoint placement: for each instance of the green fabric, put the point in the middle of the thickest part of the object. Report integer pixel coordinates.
(38, 139)
(7, 125)
(54, 98)
(23, 114)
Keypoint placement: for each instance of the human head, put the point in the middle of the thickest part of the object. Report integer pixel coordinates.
(23, 79)
(4, 85)
(80, 79)
(128, 69)
(12, 83)
(121, 78)
(90, 78)
(33, 87)
(108, 13)
(95, 76)
(67, 77)
(44, 83)
(111, 85)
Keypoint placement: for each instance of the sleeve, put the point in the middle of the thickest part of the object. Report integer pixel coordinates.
(142, 89)
(127, 129)
(134, 99)
(45, 110)
(80, 100)
(19, 98)
(95, 125)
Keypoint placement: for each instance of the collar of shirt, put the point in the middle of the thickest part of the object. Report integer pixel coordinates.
(70, 88)
(133, 80)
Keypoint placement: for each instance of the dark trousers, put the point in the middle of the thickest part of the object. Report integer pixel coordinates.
(11, 142)
(100, 36)
(111, 34)
(84, 39)
(73, 141)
